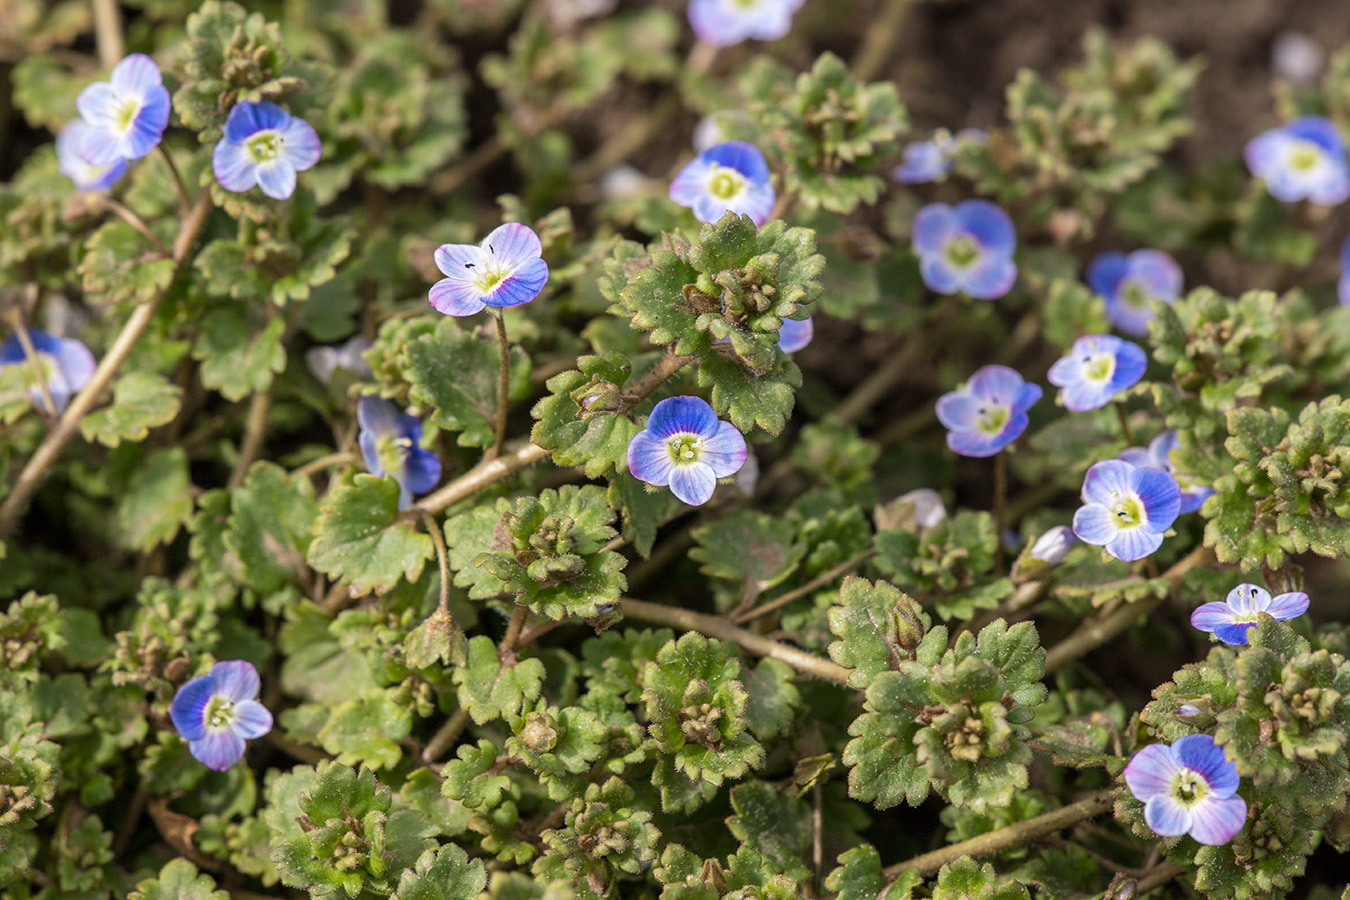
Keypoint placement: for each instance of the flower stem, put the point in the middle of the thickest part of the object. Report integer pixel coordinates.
(815, 584)
(503, 386)
(1000, 508)
(134, 221)
(444, 738)
(668, 366)
(511, 640)
(876, 49)
(84, 401)
(184, 200)
(323, 462)
(108, 32)
(253, 436)
(30, 353)
(442, 558)
(1124, 423)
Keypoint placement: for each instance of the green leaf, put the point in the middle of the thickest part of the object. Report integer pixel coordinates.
(455, 373)
(141, 401)
(644, 512)
(966, 879)
(445, 873)
(750, 400)
(884, 766)
(120, 266)
(359, 539)
(859, 877)
(579, 421)
(157, 502)
(490, 689)
(752, 548)
(877, 626)
(269, 526)
(178, 880)
(472, 779)
(234, 360)
(367, 730)
(773, 698)
(774, 823)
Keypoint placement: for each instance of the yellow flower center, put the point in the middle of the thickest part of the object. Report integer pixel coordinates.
(1189, 788)
(1128, 511)
(125, 113)
(684, 449)
(1100, 366)
(265, 145)
(1135, 295)
(962, 251)
(725, 183)
(391, 451)
(1304, 156)
(220, 713)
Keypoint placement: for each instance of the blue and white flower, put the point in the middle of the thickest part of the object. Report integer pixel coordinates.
(128, 113)
(722, 23)
(324, 361)
(1096, 369)
(1126, 509)
(1054, 545)
(732, 176)
(507, 269)
(988, 412)
(795, 334)
(1302, 160)
(687, 448)
(1129, 283)
(929, 160)
(217, 712)
(1159, 456)
(1190, 788)
(67, 365)
(72, 159)
(391, 446)
(265, 146)
(1230, 620)
(1343, 285)
(966, 249)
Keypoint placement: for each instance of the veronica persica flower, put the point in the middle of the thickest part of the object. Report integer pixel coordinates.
(988, 412)
(1159, 456)
(72, 159)
(507, 269)
(1302, 160)
(1230, 620)
(726, 22)
(730, 176)
(128, 113)
(929, 160)
(217, 712)
(67, 365)
(1190, 788)
(686, 447)
(794, 334)
(1126, 509)
(967, 248)
(391, 445)
(1096, 368)
(1128, 282)
(266, 146)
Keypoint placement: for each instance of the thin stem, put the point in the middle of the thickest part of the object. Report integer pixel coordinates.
(511, 640)
(1124, 423)
(180, 187)
(253, 436)
(108, 32)
(701, 57)
(881, 382)
(446, 736)
(1157, 878)
(720, 628)
(503, 385)
(84, 401)
(1025, 596)
(876, 48)
(34, 363)
(810, 587)
(535, 632)
(132, 219)
(1000, 508)
(442, 558)
(1098, 630)
(323, 462)
(484, 155)
(479, 477)
(668, 366)
(628, 140)
(1009, 836)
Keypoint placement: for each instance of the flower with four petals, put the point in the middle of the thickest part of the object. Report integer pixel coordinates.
(506, 269)
(1189, 787)
(966, 249)
(1231, 619)
(1302, 160)
(1126, 509)
(686, 447)
(1096, 368)
(732, 176)
(722, 23)
(218, 711)
(265, 146)
(988, 412)
(127, 114)
(1129, 282)
(391, 446)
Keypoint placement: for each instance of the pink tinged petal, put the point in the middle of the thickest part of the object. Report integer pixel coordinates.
(959, 410)
(1151, 771)
(1158, 492)
(991, 279)
(1065, 371)
(522, 286)
(459, 260)
(694, 484)
(233, 167)
(512, 245)
(251, 719)
(687, 415)
(939, 274)
(1200, 754)
(300, 144)
(136, 75)
(1212, 616)
(795, 334)
(711, 26)
(235, 679)
(725, 451)
(1288, 606)
(1094, 524)
(188, 710)
(1166, 816)
(218, 749)
(276, 177)
(1110, 476)
(1216, 821)
(649, 459)
(933, 226)
(1134, 543)
(453, 296)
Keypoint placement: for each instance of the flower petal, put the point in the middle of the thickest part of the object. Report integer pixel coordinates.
(188, 710)
(1094, 524)
(980, 444)
(744, 157)
(939, 274)
(301, 146)
(135, 76)
(456, 296)
(998, 385)
(959, 410)
(991, 278)
(922, 162)
(512, 245)
(689, 415)
(251, 719)
(694, 484)
(1210, 616)
(795, 334)
(1166, 816)
(1131, 361)
(1319, 130)
(421, 470)
(1235, 633)
(1199, 753)
(218, 749)
(235, 679)
(1130, 544)
(725, 451)
(276, 177)
(233, 166)
(690, 184)
(933, 225)
(1288, 606)
(757, 202)
(377, 416)
(987, 224)
(521, 286)
(1217, 821)
(75, 362)
(649, 459)
(1150, 772)
(1161, 497)
(1108, 477)
(1159, 271)
(1106, 272)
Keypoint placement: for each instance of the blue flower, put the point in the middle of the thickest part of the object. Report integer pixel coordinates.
(731, 176)
(67, 365)
(266, 146)
(925, 161)
(1190, 788)
(967, 248)
(988, 412)
(1128, 283)
(1096, 368)
(686, 447)
(794, 334)
(128, 113)
(72, 158)
(1230, 620)
(217, 712)
(726, 22)
(1159, 456)
(1054, 545)
(1126, 509)
(391, 445)
(505, 270)
(1302, 160)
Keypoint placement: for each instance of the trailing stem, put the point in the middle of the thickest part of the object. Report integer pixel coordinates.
(503, 386)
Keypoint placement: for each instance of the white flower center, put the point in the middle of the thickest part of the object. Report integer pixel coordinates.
(265, 146)
(1135, 294)
(684, 449)
(1099, 367)
(726, 183)
(219, 713)
(1129, 512)
(962, 251)
(124, 113)
(1189, 787)
(993, 417)
(1304, 156)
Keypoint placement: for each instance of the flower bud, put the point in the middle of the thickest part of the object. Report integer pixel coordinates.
(916, 512)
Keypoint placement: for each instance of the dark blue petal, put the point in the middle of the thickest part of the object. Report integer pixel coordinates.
(988, 225)
(1161, 497)
(1318, 130)
(421, 470)
(743, 157)
(1105, 273)
(1200, 754)
(688, 415)
(1131, 361)
(188, 710)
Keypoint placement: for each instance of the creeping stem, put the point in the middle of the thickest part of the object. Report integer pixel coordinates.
(442, 559)
(1000, 508)
(178, 184)
(503, 385)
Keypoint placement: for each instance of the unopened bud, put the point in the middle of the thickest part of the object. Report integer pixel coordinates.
(916, 511)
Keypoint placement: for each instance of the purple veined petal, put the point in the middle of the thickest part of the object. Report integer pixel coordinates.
(188, 710)
(649, 459)
(1211, 616)
(75, 362)
(987, 224)
(1106, 272)
(456, 296)
(1288, 606)
(687, 415)
(933, 226)
(521, 286)
(235, 680)
(276, 177)
(96, 104)
(421, 470)
(135, 76)
(1131, 361)
(1161, 497)
(1318, 130)
(725, 451)
(251, 719)
(694, 483)
(1131, 544)
(1246, 600)
(459, 260)
(1150, 772)
(1066, 370)
(370, 453)
(1200, 754)
(1234, 633)
(991, 278)
(958, 410)
(233, 166)
(1166, 816)
(1094, 524)
(247, 119)
(1108, 477)
(218, 749)
(1159, 270)
(795, 334)
(691, 182)
(939, 274)
(757, 202)
(1334, 187)
(1193, 498)
(922, 162)
(512, 245)
(301, 146)
(996, 384)
(978, 444)
(1216, 821)
(1030, 395)
(1085, 396)
(377, 416)
(744, 157)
